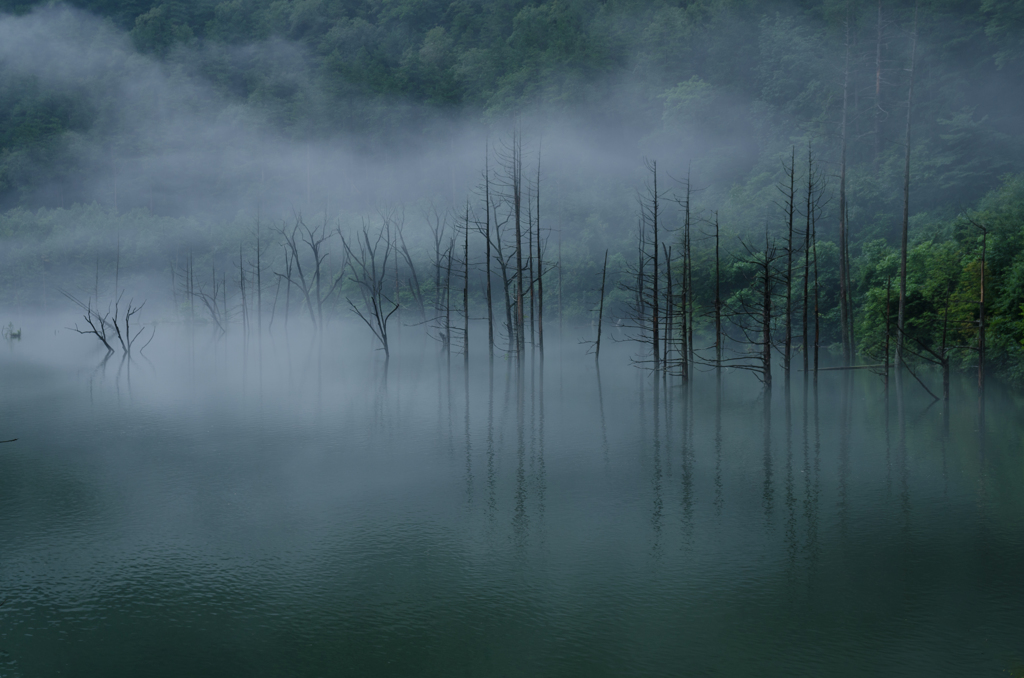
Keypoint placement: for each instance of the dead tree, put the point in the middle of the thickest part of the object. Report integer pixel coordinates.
(686, 295)
(309, 279)
(807, 252)
(643, 320)
(878, 110)
(669, 305)
(510, 158)
(789, 193)
(540, 266)
(414, 280)
(650, 209)
(718, 300)
(107, 327)
(465, 289)
(241, 288)
(529, 266)
(486, 232)
(493, 232)
(211, 300)
(595, 345)
(752, 312)
(368, 256)
(600, 310)
(901, 313)
(437, 222)
(844, 310)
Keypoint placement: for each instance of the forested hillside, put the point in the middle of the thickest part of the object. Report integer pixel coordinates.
(209, 112)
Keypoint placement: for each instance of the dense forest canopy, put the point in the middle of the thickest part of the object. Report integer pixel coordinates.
(725, 84)
(180, 122)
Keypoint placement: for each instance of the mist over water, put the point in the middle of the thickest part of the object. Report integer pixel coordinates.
(264, 491)
(284, 508)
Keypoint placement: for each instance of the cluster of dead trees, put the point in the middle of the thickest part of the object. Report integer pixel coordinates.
(663, 311)
(112, 323)
(370, 270)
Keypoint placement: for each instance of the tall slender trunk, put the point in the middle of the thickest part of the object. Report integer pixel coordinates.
(849, 284)
(888, 329)
(655, 301)
(559, 285)
(487, 253)
(259, 286)
(718, 302)
(844, 311)
(517, 206)
(981, 316)
(600, 308)
(241, 287)
(878, 90)
(668, 302)
(791, 207)
(688, 281)
(540, 269)
(817, 295)
(686, 296)
(529, 266)
(807, 253)
(901, 313)
(465, 292)
(448, 303)
(766, 316)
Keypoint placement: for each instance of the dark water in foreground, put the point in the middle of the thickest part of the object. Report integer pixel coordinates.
(199, 516)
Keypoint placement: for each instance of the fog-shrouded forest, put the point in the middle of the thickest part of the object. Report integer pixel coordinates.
(551, 338)
(832, 180)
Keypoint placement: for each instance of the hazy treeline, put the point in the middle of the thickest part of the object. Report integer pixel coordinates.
(165, 133)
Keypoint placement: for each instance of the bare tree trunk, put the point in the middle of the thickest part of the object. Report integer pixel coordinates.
(600, 309)
(849, 285)
(669, 301)
(878, 90)
(981, 315)
(807, 254)
(259, 284)
(465, 294)
(241, 287)
(517, 168)
(487, 254)
(888, 330)
(817, 296)
(655, 302)
(686, 307)
(529, 266)
(559, 284)
(766, 316)
(540, 268)
(790, 209)
(901, 313)
(844, 311)
(718, 303)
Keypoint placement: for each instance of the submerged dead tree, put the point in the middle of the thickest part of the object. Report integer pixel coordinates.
(789, 194)
(510, 159)
(643, 320)
(369, 255)
(901, 312)
(310, 279)
(107, 326)
(686, 292)
(845, 318)
(752, 312)
(595, 345)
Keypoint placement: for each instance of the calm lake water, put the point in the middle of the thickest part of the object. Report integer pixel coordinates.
(211, 512)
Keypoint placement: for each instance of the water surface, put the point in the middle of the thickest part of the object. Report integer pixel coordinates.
(283, 509)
